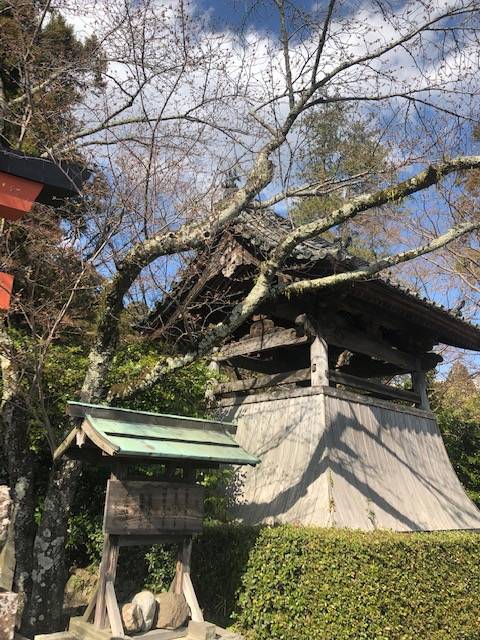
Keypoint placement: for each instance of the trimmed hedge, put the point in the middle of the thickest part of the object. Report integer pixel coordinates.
(289, 583)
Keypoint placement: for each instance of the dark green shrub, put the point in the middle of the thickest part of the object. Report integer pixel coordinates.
(337, 585)
(293, 583)
(219, 559)
(289, 583)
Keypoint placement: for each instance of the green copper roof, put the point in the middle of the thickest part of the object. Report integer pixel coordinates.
(155, 436)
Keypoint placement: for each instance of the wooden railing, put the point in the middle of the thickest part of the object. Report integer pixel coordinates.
(378, 390)
(303, 375)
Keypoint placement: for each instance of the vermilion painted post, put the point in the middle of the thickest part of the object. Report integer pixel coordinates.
(17, 195)
(6, 286)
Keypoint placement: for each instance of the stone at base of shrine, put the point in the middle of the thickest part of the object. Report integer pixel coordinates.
(147, 603)
(201, 631)
(132, 618)
(8, 614)
(172, 610)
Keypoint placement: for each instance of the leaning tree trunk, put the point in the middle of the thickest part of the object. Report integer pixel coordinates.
(20, 466)
(22, 486)
(44, 611)
(49, 575)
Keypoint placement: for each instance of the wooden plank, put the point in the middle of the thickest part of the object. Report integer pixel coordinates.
(113, 611)
(250, 384)
(361, 343)
(263, 365)
(85, 631)
(91, 605)
(350, 396)
(339, 336)
(187, 586)
(153, 508)
(101, 442)
(99, 621)
(191, 598)
(304, 374)
(379, 390)
(177, 585)
(296, 392)
(282, 338)
(80, 410)
(108, 571)
(60, 450)
(146, 541)
(162, 634)
(94, 456)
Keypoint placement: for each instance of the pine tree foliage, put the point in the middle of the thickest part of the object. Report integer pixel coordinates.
(342, 146)
(457, 405)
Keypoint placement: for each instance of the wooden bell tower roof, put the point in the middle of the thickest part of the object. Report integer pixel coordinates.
(221, 275)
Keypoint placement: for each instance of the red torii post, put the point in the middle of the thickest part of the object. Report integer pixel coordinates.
(24, 180)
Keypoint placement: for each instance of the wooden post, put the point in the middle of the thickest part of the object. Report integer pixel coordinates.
(419, 384)
(91, 606)
(187, 586)
(108, 571)
(319, 362)
(182, 582)
(113, 610)
(177, 584)
(99, 620)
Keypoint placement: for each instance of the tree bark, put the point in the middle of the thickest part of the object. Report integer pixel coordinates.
(20, 468)
(44, 613)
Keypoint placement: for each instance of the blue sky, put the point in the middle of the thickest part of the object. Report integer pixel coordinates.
(239, 13)
(226, 16)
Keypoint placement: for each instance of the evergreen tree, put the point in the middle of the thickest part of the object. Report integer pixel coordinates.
(456, 402)
(44, 69)
(344, 153)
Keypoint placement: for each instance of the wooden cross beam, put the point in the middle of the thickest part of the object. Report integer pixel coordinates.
(182, 583)
(104, 601)
(280, 338)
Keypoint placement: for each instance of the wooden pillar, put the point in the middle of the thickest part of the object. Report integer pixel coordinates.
(188, 590)
(319, 362)
(419, 384)
(108, 565)
(108, 570)
(182, 583)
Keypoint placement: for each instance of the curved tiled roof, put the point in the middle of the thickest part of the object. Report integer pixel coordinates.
(260, 231)
(263, 231)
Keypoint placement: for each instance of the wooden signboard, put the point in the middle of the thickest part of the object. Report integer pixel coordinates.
(153, 508)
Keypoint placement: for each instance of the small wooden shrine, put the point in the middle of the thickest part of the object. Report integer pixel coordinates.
(146, 512)
(311, 385)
